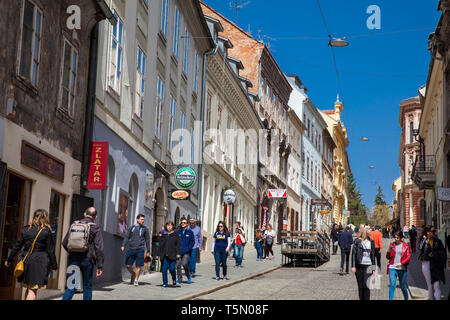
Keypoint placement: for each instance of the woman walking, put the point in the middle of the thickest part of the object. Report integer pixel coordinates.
(399, 255)
(39, 253)
(239, 242)
(220, 247)
(258, 245)
(432, 255)
(168, 252)
(363, 257)
(269, 236)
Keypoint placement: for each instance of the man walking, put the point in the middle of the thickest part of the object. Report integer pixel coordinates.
(413, 238)
(84, 243)
(137, 239)
(345, 242)
(334, 235)
(196, 230)
(377, 238)
(187, 243)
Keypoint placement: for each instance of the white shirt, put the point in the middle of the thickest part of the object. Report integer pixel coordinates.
(366, 253)
(398, 257)
(270, 233)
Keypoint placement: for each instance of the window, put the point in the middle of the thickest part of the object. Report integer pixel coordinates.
(422, 207)
(307, 168)
(140, 83)
(164, 15)
(186, 52)
(195, 72)
(303, 163)
(31, 42)
(176, 32)
(182, 126)
(219, 117)
(312, 134)
(309, 126)
(208, 111)
(192, 145)
(159, 105)
(69, 76)
(115, 67)
(173, 112)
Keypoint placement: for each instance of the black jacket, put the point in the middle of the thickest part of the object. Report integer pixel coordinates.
(137, 239)
(357, 252)
(437, 260)
(95, 252)
(169, 245)
(43, 243)
(334, 234)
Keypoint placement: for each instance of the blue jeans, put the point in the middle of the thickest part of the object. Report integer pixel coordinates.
(258, 250)
(168, 265)
(86, 269)
(393, 273)
(220, 256)
(239, 253)
(193, 260)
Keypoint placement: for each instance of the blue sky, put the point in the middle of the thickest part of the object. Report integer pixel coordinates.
(376, 72)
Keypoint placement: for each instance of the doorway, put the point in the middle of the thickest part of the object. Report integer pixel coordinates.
(17, 204)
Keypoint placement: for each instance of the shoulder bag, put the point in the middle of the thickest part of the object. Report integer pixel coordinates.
(20, 267)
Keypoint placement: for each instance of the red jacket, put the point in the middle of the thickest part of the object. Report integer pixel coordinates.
(405, 258)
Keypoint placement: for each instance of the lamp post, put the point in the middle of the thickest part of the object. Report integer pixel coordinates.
(338, 42)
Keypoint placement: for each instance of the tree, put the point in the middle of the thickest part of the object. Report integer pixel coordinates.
(380, 213)
(358, 211)
(379, 197)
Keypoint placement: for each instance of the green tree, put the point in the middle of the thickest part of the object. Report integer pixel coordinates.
(379, 197)
(380, 213)
(358, 211)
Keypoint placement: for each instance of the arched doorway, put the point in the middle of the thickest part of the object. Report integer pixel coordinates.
(160, 211)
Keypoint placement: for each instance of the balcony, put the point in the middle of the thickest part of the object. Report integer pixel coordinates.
(423, 172)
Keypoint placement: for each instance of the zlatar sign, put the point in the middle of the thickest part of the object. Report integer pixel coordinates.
(98, 165)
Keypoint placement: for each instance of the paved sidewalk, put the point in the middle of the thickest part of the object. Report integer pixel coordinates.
(150, 285)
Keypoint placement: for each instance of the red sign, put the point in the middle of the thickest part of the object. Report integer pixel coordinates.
(277, 193)
(98, 165)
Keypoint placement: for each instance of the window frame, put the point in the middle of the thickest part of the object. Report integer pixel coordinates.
(159, 106)
(70, 109)
(140, 81)
(118, 61)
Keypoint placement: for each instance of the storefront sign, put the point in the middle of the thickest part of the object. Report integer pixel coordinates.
(277, 193)
(319, 202)
(148, 188)
(443, 194)
(98, 165)
(41, 161)
(229, 196)
(179, 194)
(324, 211)
(185, 177)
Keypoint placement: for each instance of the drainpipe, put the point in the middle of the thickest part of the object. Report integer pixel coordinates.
(202, 109)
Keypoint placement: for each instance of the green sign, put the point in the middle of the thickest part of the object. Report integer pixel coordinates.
(185, 177)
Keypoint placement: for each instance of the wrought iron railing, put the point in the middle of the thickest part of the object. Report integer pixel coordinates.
(424, 164)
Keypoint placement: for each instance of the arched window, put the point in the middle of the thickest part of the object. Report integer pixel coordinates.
(422, 207)
(132, 201)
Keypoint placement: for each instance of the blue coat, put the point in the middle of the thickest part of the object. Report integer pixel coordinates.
(345, 240)
(187, 240)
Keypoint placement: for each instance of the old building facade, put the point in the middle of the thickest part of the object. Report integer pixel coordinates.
(44, 79)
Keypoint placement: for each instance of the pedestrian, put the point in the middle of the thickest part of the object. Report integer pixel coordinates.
(169, 252)
(412, 238)
(399, 255)
(334, 235)
(137, 239)
(405, 231)
(220, 247)
(197, 231)
(84, 243)
(377, 238)
(433, 256)
(258, 244)
(239, 242)
(345, 243)
(38, 254)
(269, 236)
(187, 243)
(363, 258)
(263, 244)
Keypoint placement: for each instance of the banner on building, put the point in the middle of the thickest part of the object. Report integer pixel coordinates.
(98, 165)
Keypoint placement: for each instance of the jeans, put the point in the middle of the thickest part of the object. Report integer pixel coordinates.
(239, 253)
(168, 265)
(86, 269)
(193, 260)
(220, 257)
(362, 276)
(393, 273)
(378, 257)
(335, 246)
(183, 262)
(345, 256)
(269, 250)
(258, 250)
(435, 286)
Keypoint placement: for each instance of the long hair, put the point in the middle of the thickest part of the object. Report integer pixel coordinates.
(40, 219)
(258, 234)
(225, 229)
(364, 234)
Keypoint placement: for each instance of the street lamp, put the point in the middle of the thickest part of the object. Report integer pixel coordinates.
(371, 167)
(364, 139)
(338, 42)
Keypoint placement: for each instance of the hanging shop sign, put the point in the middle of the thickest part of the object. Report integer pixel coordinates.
(277, 193)
(41, 161)
(229, 196)
(185, 177)
(324, 211)
(98, 165)
(319, 202)
(179, 194)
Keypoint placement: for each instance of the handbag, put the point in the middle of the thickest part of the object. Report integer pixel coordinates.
(20, 267)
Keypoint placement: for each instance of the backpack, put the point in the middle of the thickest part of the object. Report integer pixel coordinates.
(79, 236)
